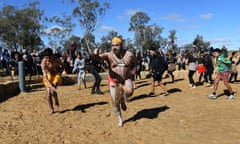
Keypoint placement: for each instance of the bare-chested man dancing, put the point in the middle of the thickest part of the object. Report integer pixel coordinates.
(122, 68)
(51, 76)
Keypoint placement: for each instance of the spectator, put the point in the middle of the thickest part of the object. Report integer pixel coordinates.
(235, 61)
(139, 65)
(192, 67)
(80, 69)
(181, 62)
(209, 69)
(6, 61)
(201, 68)
(95, 68)
(158, 66)
(223, 73)
(171, 60)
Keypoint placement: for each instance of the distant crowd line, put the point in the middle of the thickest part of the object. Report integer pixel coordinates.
(202, 62)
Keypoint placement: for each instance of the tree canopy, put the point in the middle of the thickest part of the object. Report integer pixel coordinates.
(21, 27)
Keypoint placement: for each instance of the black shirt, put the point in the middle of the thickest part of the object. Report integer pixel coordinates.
(158, 63)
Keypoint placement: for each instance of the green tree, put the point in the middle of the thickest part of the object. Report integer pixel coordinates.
(152, 35)
(90, 41)
(137, 25)
(89, 13)
(129, 44)
(172, 39)
(106, 40)
(68, 42)
(58, 35)
(163, 43)
(200, 43)
(21, 27)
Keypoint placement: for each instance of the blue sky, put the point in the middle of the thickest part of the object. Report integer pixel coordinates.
(216, 20)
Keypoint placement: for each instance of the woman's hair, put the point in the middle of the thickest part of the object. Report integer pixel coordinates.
(233, 53)
(47, 52)
(79, 53)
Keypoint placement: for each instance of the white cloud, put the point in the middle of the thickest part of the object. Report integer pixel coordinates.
(128, 13)
(228, 43)
(215, 41)
(107, 28)
(120, 17)
(206, 16)
(195, 26)
(131, 12)
(174, 17)
(181, 42)
(186, 27)
(49, 30)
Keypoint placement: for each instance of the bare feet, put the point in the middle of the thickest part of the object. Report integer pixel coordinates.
(51, 111)
(57, 108)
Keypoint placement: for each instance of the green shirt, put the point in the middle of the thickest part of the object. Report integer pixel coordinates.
(223, 63)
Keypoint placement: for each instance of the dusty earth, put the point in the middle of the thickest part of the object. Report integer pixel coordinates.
(186, 116)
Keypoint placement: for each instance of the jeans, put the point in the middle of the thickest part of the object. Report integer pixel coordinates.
(97, 77)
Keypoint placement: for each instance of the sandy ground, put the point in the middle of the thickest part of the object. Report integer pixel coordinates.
(186, 116)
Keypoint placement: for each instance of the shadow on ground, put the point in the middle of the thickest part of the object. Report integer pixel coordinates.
(148, 113)
(83, 107)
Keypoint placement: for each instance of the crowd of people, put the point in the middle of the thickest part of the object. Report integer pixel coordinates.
(124, 67)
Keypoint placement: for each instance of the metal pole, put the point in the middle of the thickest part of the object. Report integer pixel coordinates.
(21, 76)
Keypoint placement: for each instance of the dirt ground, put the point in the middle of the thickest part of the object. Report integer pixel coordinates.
(186, 116)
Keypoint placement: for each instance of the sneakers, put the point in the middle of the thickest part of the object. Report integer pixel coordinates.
(99, 92)
(151, 94)
(165, 94)
(212, 96)
(193, 87)
(232, 97)
(208, 85)
(93, 92)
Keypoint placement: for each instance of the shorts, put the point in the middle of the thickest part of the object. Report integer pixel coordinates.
(53, 79)
(157, 76)
(224, 76)
(116, 91)
(201, 69)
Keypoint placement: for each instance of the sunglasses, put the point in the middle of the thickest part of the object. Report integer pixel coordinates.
(115, 44)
